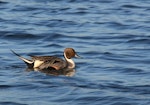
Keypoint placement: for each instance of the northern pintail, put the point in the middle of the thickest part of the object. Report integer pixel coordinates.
(51, 62)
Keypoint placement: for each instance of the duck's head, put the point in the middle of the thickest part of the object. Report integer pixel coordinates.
(70, 53)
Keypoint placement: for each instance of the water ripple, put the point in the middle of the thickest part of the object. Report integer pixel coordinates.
(131, 6)
(3, 2)
(140, 41)
(11, 103)
(111, 36)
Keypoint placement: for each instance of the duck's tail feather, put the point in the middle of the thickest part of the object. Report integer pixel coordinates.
(27, 61)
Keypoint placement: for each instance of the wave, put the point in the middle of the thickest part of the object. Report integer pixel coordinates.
(3, 2)
(11, 103)
(131, 6)
(139, 41)
(17, 36)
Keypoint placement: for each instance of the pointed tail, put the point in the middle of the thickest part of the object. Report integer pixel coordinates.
(27, 61)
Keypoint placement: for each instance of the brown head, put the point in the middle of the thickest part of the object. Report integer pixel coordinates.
(70, 53)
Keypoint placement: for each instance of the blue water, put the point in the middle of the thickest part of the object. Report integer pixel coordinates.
(112, 36)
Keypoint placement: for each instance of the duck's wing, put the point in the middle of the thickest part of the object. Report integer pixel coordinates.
(27, 61)
(42, 58)
(50, 62)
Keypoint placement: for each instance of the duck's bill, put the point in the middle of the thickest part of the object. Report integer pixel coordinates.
(77, 56)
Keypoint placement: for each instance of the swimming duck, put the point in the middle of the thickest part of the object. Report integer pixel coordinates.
(51, 62)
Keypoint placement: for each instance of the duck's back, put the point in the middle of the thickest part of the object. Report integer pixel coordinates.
(49, 62)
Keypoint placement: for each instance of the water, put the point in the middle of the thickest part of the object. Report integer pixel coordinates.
(112, 36)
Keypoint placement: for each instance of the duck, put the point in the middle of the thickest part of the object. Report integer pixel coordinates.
(51, 62)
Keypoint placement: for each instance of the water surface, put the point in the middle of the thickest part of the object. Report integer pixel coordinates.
(112, 37)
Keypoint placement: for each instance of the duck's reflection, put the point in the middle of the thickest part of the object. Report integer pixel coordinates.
(49, 71)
